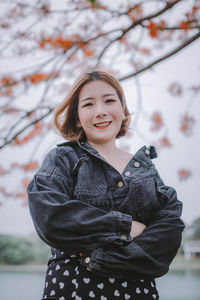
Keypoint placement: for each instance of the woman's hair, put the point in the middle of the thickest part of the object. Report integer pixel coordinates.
(67, 124)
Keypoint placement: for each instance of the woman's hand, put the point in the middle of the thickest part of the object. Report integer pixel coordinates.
(137, 228)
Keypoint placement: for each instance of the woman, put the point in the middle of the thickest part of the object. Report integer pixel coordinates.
(111, 222)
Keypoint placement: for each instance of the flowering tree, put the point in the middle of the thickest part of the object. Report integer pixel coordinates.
(45, 45)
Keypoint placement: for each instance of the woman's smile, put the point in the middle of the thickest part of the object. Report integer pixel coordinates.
(103, 125)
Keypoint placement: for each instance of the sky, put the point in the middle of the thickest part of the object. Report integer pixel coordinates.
(15, 219)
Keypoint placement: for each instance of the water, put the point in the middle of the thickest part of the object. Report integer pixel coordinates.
(179, 285)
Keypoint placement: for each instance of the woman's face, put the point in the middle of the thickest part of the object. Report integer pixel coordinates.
(100, 112)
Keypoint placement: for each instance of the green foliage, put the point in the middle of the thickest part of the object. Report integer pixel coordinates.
(195, 228)
(21, 250)
(40, 250)
(15, 250)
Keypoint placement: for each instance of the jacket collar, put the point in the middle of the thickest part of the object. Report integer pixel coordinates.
(144, 154)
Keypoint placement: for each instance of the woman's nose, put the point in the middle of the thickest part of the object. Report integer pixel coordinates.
(100, 110)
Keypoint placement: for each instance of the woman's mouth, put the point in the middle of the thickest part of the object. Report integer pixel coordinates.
(102, 125)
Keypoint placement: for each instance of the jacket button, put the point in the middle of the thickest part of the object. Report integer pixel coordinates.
(147, 151)
(136, 164)
(128, 173)
(120, 184)
(124, 237)
(87, 260)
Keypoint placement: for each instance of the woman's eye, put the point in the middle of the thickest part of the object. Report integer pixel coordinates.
(110, 100)
(88, 104)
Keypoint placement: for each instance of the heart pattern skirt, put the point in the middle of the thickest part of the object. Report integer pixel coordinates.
(69, 280)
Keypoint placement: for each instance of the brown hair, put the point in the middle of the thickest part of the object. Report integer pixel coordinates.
(67, 125)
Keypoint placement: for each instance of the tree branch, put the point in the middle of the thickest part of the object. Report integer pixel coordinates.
(157, 61)
(176, 27)
(8, 141)
(134, 24)
(168, 6)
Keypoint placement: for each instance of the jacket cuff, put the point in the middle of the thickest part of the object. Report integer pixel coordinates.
(89, 260)
(124, 223)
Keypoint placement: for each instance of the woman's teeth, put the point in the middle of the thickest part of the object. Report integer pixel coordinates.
(102, 124)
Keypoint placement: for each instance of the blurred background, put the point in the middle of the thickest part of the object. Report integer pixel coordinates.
(152, 47)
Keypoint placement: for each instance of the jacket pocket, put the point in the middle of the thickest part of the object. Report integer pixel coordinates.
(146, 198)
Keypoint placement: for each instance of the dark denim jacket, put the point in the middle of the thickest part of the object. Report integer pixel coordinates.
(80, 203)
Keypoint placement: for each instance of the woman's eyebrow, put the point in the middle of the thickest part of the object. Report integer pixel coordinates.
(92, 98)
(89, 98)
(106, 95)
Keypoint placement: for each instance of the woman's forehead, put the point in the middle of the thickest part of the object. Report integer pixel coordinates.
(97, 88)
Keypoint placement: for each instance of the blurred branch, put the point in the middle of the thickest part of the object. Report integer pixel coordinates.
(9, 140)
(139, 21)
(164, 57)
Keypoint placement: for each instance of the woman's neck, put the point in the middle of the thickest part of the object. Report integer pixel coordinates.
(105, 148)
(115, 156)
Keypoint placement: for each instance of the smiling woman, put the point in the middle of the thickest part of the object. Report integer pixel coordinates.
(100, 112)
(69, 125)
(111, 222)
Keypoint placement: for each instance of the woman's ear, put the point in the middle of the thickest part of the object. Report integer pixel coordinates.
(124, 117)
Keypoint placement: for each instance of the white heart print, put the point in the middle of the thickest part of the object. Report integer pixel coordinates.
(57, 267)
(138, 290)
(124, 284)
(86, 280)
(111, 279)
(66, 273)
(52, 293)
(50, 272)
(91, 294)
(146, 291)
(75, 283)
(103, 298)
(74, 294)
(100, 286)
(62, 298)
(61, 284)
(54, 280)
(127, 296)
(116, 293)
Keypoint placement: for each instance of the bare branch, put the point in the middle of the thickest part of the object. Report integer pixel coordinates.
(8, 141)
(168, 6)
(176, 27)
(157, 61)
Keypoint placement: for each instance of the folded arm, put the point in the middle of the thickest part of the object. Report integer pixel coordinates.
(69, 224)
(151, 252)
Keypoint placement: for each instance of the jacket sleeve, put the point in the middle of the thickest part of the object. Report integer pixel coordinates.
(67, 224)
(149, 254)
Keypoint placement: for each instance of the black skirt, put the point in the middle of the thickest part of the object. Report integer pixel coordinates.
(69, 280)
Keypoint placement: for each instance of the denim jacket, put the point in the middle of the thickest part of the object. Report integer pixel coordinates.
(79, 203)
